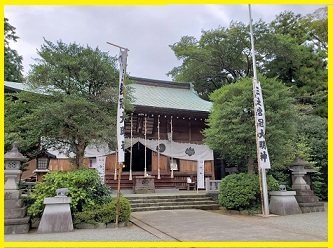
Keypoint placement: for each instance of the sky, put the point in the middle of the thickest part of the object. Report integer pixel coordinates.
(147, 31)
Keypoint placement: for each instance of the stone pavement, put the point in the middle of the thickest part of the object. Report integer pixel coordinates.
(197, 226)
(212, 226)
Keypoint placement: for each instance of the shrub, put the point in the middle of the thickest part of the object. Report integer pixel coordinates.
(105, 213)
(85, 186)
(242, 191)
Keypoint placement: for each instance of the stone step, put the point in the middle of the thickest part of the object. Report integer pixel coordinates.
(180, 203)
(17, 229)
(17, 221)
(156, 208)
(312, 207)
(14, 203)
(166, 196)
(13, 213)
(169, 202)
(306, 198)
(304, 192)
(144, 200)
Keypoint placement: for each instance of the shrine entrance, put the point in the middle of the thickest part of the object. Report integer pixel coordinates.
(138, 158)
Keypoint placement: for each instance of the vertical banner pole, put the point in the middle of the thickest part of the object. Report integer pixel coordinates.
(115, 166)
(257, 96)
(121, 120)
(158, 150)
(131, 149)
(145, 171)
(171, 134)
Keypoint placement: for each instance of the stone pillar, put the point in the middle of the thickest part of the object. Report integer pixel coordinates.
(283, 203)
(16, 221)
(57, 214)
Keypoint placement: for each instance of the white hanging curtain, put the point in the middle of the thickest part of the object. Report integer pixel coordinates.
(185, 151)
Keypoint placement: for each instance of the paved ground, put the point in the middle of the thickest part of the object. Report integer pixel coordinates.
(197, 226)
(205, 226)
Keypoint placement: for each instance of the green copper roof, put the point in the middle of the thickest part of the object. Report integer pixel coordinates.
(166, 95)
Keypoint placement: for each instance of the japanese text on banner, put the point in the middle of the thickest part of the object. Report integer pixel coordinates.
(121, 107)
(261, 126)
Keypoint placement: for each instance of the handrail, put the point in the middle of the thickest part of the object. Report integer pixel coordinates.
(212, 186)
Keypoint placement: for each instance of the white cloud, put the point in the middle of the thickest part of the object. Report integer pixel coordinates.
(147, 31)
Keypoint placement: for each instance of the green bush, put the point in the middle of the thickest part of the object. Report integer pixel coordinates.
(105, 213)
(242, 191)
(86, 189)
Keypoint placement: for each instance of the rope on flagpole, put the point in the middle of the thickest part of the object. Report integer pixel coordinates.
(171, 133)
(131, 149)
(145, 172)
(158, 148)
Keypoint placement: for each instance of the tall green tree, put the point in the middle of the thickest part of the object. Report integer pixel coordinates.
(314, 130)
(292, 48)
(79, 91)
(220, 57)
(231, 125)
(296, 52)
(13, 61)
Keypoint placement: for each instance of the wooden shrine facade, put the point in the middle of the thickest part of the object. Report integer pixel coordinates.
(163, 135)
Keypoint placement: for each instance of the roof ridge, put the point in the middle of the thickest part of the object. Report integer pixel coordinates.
(161, 83)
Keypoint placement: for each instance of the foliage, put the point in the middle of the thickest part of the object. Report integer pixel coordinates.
(242, 191)
(86, 189)
(17, 127)
(76, 102)
(220, 57)
(314, 130)
(231, 128)
(105, 213)
(292, 48)
(12, 60)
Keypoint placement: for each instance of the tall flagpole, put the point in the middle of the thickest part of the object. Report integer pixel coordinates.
(262, 153)
(158, 150)
(145, 170)
(120, 119)
(131, 149)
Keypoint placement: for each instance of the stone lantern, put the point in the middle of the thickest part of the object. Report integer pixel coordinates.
(13, 160)
(42, 163)
(16, 221)
(307, 200)
(299, 171)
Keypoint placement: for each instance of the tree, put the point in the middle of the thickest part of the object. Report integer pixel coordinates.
(295, 50)
(80, 88)
(292, 48)
(13, 62)
(231, 128)
(220, 57)
(314, 129)
(17, 128)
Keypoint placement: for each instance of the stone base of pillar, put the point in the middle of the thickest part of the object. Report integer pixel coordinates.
(56, 216)
(283, 203)
(308, 201)
(16, 221)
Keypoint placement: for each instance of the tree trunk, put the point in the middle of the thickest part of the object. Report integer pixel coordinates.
(80, 147)
(250, 166)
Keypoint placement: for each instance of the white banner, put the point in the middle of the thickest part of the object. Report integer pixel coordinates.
(260, 126)
(201, 174)
(178, 150)
(100, 167)
(121, 107)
